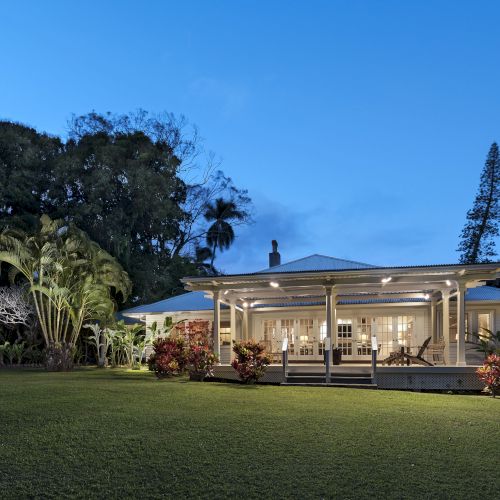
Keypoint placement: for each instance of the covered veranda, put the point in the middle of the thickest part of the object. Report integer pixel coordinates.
(436, 289)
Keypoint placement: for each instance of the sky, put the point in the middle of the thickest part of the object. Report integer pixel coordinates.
(359, 128)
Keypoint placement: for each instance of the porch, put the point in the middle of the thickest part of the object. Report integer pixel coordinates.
(399, 307)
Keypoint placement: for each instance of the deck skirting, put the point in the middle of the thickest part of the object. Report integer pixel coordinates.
(417, 378)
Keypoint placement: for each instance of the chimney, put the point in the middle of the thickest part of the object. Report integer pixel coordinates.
(274, 256)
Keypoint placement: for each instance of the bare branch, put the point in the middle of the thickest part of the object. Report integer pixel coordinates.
(15, 307)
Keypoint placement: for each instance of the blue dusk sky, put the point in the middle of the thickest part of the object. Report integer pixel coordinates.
(359, 128)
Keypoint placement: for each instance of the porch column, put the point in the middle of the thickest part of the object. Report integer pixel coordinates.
(232, 317)
(446, 325)
(335, 342)
(461, 324)
(330, 313)
(244, 325)
(216, 323)
(434, 334)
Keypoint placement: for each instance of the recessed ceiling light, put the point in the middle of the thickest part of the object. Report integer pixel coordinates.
(274, 284)
(386, 280)
(245, 304)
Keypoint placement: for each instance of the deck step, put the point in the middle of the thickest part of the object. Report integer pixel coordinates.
(346, 380)
(323, 384)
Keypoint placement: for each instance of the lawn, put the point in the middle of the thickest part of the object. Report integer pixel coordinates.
(113, 433)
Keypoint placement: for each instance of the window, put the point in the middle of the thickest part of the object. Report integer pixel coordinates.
(225, 333)
(306, 337)
(406, 325)
(384, 333)
(287, 331)
(364, 330)
(344, 328)
(269, 328)
(346, 348)
(483, 324)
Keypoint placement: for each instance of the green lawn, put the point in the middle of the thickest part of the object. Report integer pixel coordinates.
(113, 433)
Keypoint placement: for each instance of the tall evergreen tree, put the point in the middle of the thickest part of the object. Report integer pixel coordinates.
(478, 235)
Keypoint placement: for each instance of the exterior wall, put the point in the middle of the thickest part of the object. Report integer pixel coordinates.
(421, 312)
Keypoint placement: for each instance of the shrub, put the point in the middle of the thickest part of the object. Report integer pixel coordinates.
(169, 357)
(251, 360)
(201, 360)
(489, 373)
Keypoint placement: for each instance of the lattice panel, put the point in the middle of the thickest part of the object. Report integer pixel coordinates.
(272, 375)
(430, 381)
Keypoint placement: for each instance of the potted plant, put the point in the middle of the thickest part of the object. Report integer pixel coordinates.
(336, 355)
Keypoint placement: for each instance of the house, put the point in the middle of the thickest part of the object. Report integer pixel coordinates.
(318, 300)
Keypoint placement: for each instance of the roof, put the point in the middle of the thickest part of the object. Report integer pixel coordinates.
(191, 301)
(317, 262)
(483, 293)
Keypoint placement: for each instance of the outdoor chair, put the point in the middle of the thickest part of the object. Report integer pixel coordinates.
(400, 357)
(435, 352)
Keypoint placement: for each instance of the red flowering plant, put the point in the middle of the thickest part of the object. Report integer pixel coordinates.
(251, 360)
(169, 357)
(201, 357)
(489, 373)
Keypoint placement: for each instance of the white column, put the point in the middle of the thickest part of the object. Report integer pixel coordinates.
(232, 316)
(245, 324)
(329, 311)
(335, 341)
(434, 319)
(461, 327)
(216, 323)
(446, 325)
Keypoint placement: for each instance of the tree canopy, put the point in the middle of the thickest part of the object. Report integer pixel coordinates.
(479, 233)
(137, 184)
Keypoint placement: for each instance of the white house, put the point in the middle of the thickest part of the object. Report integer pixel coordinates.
(316, 298)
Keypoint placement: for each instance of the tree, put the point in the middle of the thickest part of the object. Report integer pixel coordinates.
(71, 279)
(137, 184)
(220, 235)
(481, 228)
(26, 174)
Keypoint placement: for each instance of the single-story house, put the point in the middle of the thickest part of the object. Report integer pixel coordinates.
(318, 301)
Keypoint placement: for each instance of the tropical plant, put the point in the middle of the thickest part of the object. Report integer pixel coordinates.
(71, 280)
(489, 373)
(201, 360)
(489, 342)
(100, 341)
(169, 357)
(251, 360)
(222, 214)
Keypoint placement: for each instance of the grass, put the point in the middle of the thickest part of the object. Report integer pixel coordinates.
(119, 434)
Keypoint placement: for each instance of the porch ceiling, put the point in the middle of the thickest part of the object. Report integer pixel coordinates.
(365, 284)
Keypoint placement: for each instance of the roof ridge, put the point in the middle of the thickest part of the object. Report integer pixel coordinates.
(273, 268)
(344, 260)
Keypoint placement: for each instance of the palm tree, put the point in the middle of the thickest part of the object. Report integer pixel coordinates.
(70, 277)
(222, 214)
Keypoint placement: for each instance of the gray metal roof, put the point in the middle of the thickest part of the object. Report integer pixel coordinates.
(191, 301)
(317, 262)
(483, 293)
